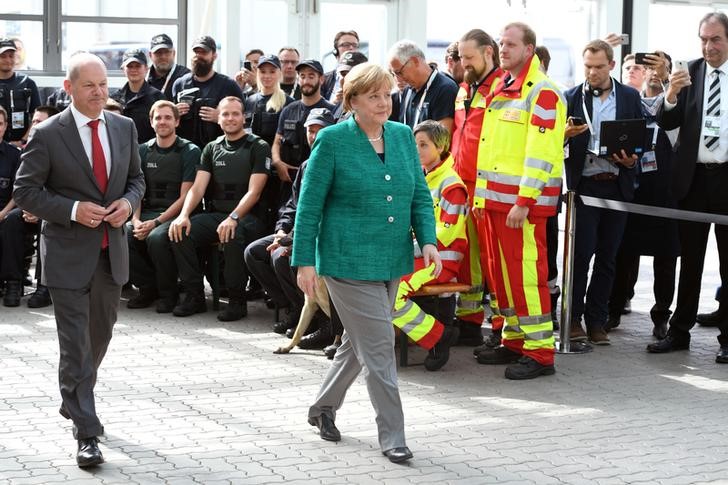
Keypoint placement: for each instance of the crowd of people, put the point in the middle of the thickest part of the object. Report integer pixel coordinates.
(415, 177)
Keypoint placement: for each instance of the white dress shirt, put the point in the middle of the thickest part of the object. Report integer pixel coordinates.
(720, 153)
(84, 132)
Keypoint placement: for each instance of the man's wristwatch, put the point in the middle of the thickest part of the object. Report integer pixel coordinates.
(157, 223)
(234, 216)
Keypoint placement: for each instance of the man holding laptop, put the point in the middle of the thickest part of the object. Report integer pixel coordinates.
(600, 162)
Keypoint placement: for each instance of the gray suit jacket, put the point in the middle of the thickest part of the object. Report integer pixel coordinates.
(54, 173)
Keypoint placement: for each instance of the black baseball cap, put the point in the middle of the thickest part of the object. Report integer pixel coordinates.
(350, 59)
(272, 60)
(320, 116)
(7, 45)
(161, 41)
(205, 42)
(312, 63)
(134, 55)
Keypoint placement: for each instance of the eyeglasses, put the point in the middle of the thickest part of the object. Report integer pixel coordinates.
(348, 45)
(399, 71)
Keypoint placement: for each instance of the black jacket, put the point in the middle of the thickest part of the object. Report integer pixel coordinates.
(137, 108)
(628, 107)
(688, 116)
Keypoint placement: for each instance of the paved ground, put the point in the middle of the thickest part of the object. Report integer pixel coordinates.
(197, 401)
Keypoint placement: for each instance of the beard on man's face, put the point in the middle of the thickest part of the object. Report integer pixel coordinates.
(310, 89)
(201, 67)
(472, 75)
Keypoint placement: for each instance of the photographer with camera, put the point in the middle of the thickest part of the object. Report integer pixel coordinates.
(18, 95)
(198, 93)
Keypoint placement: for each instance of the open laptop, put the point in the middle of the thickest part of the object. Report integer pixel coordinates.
(627, 135)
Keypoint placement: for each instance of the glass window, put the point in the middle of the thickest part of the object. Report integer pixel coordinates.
(24, 7)
(127, 8)
(262, 32)
(109, 41)
(28, 36)
(682, 44)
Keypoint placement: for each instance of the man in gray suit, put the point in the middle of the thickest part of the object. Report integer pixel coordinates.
(80, 174)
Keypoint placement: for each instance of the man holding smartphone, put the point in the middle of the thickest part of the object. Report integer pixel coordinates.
(695, 102)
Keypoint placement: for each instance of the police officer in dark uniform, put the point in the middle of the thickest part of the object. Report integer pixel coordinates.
(12, 226)
(290, 148)
(18, 94)
(136, 96)
(231, 177)
(169, 164)
(198, 93)
(163, 71)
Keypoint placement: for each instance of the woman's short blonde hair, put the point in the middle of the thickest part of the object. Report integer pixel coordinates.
(364, 78)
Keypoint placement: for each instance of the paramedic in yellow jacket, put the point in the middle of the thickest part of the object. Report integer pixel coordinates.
(428, 321)
(518, 185)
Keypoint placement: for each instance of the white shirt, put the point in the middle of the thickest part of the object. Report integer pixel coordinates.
(84, 132)
(720, 153)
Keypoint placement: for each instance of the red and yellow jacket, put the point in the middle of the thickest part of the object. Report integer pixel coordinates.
(521, 156)
(468, 125)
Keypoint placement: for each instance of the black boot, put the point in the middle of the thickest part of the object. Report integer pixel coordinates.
(13, 293)
(440, 353)
(194, 302)
(320, 338)
(40, 298)
(237, 307)
(144, 299)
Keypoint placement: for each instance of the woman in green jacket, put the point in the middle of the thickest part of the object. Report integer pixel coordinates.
(363, 194)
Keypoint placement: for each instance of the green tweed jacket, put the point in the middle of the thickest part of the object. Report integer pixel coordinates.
(355, 213)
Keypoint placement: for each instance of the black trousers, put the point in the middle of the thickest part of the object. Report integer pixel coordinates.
(708, 193)
(13, 233)
(625, 279)
(85, 319)
(274, 273)
(152, 266)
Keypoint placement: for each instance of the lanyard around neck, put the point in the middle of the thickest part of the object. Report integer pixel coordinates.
(422, 99)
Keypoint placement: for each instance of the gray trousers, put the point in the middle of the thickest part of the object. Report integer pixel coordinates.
(365, 308)
(84, 320)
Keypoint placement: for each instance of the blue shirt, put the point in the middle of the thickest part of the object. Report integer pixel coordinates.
(601, 111)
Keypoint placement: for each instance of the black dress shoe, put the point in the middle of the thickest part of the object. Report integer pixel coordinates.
(722, 356)
(144, 299)
(712, 319)
(40, 298)
(88, 454)
(326, 426)
(668, 344)
(398, 455)
(317, 340)
(330, 350)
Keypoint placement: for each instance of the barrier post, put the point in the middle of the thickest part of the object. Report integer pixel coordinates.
(566, 346)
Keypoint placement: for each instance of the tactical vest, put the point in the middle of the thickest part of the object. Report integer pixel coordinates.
(231, 173)
(16, 102)
(162, 173)
(294, 148)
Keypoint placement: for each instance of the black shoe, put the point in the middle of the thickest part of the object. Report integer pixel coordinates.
(144, 299)
(254, 294)
(289, 320)
(40, 298)
(311, 329)
(627, 309)
(166, 305)
(660, 330)
(235, 310)
(722, 356)
(440, 352)
(527, 368)
(500, 355)
(712, 319)
(326, 426)
(613, 322)
(88, 454)
(330, 350)
(193, 303)
(669, 344)
(317, 340)
(471, 335)
(398, 455)
(13, 293)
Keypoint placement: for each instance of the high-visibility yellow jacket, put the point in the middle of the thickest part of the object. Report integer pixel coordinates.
(521, 156)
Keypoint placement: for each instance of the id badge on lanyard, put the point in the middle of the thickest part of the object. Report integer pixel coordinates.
(648, 162)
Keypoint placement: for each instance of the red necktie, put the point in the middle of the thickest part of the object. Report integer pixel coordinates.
(99, 167)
